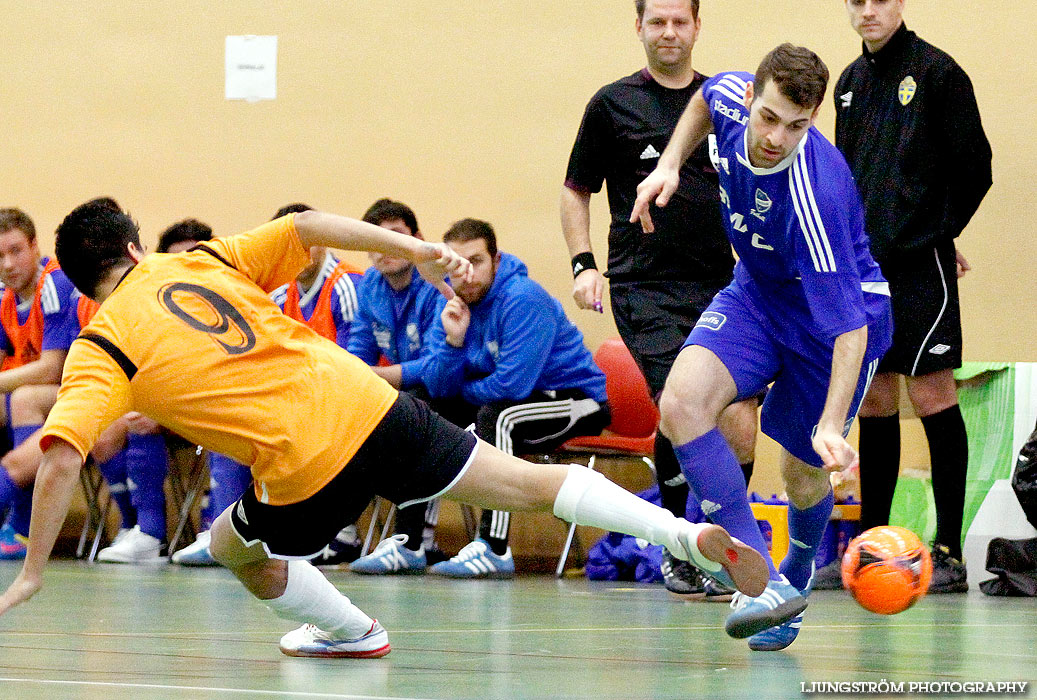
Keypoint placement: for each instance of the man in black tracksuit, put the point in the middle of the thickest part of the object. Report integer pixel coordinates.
(908, 124)
(659, 284)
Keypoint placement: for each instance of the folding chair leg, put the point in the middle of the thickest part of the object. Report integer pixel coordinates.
(95, 518)
(571, 536)
(388, 521)
(376, 508)
(471, 525)
(91, 507)
(194, 488)
(100, 530)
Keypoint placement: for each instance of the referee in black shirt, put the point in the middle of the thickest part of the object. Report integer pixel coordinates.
(659, 283)
(908, 124)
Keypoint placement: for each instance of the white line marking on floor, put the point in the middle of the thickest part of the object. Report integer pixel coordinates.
(208, 689)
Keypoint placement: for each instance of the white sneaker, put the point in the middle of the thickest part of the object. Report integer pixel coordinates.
(132, 547)
(310, 640)
(197, 553)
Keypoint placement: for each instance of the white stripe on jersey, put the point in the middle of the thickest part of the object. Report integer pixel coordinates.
(280, 295)
(809, 217)
(346, 292)
(49, 301)
(735, 85)
(736, 80)
(729, 92)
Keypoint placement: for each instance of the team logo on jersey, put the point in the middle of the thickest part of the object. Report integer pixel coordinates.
(649, 153)
(712, 320)
(382, 336)
(413, 337)
(939, 349)
(906, 91)
(493, 348)
(845, 99)
(763, 202)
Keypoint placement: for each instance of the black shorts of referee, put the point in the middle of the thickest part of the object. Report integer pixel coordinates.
(923, 289)
(654, 319)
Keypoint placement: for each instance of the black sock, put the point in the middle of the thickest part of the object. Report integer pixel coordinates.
(949, 455)
(493, 527)
(747, 470)
(410, 521)
(880, 467)
(673, 489)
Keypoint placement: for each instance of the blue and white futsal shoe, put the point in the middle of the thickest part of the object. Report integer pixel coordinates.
(476, 560)
(781, 636)
(197, 553)
(391, 557)
(779, 603)
(312, 641)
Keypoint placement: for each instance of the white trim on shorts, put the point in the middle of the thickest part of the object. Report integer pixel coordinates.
(453, 482)
(271, 555)
(946, 299)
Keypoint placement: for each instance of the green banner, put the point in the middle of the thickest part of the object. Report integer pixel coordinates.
(986, 393)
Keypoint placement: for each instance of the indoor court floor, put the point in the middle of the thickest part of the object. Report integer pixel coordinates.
(114, 632)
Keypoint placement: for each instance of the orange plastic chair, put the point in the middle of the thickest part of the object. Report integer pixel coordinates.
(635, 419)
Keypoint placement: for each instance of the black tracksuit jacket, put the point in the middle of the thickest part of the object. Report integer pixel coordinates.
(908, 124)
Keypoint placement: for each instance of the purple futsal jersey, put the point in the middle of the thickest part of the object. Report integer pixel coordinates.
(804, 274)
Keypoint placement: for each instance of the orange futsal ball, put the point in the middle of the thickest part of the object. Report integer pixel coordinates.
(887, 569)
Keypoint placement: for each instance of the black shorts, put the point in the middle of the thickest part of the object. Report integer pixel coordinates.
(923, 288)
(654, 319)
(413, 455)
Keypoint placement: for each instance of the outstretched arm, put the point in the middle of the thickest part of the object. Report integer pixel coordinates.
(829, 443)
(55, 483)
(435, 260)
(694, 125)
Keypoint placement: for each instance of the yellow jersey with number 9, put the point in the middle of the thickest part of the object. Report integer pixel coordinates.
(193, 341)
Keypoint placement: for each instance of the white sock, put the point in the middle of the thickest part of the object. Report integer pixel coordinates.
(588, 498)
(310, 597)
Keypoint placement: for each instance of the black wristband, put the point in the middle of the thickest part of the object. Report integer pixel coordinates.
(583, 261)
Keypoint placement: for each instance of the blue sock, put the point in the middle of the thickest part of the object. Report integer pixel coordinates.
(21, 510)
(228, 480)
(713, 473)
(806, 528)
(20, 498)
(114, 472)
(7, 489)
(146, 464)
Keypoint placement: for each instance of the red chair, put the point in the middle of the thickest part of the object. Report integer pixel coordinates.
(635, 418)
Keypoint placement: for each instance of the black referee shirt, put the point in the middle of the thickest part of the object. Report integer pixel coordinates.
(908, 124)
(625, 128)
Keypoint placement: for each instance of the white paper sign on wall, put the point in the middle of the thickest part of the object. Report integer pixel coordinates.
(251, 68)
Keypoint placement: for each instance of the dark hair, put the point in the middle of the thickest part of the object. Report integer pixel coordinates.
(186, 230)
(798, 72)
(639, 7)
(386, 209)
(471, 230)
(92, 240)
(293, 208)
(11, 219)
